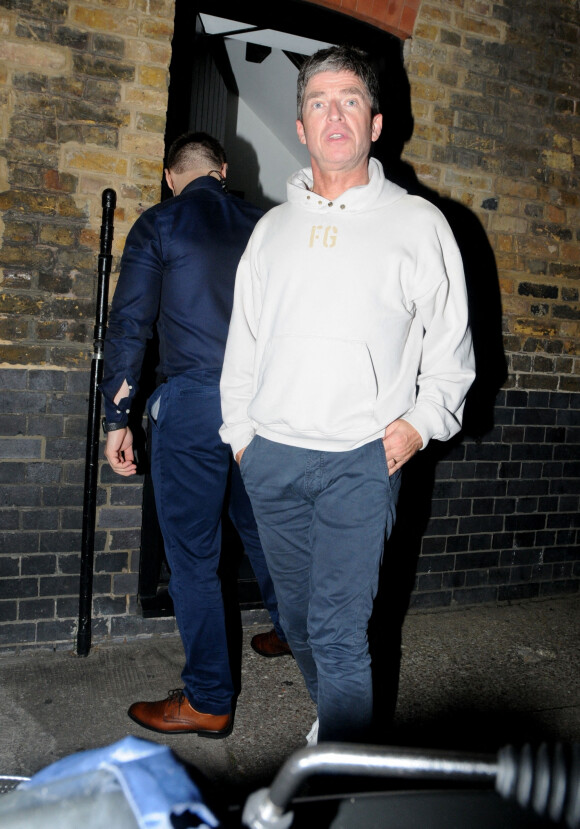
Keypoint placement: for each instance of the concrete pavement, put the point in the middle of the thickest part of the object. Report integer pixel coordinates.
(472, 679)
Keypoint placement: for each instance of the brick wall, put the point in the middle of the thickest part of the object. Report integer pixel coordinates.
(42, 468)
(495, 90)
(394, 16)
(492, 516)
(503, 516)
(83, 92)
(495, 95)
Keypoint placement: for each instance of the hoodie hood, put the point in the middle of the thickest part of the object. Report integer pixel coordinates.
(378, 193)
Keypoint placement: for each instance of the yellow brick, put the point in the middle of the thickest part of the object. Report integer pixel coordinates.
(154, 76)
(521, 189)
(66, 357)
(472, 141)
(156, 8)
(33, 55)
(429, 132)
(516, 304)
(506, 285)
(555, 214)
(570, 329)
(94, 185)
(478, 7)
(120, 235)
(151, 193)
(417, 149)
(536, 328)
(504, 242)
(147, 98)
(117, 4)
(559, 161)
(570, 252)
(421, 110)
(53, 234)
(3, 174)
(429, 174)
(121, 23)
(90, 238)
(66, 207)
(444, 116)
(509, 207)
(150, 123)
(133, 212)
(148, 169)
(95, 162)
(421, 69)
(463, 197)
(508, 261)
(561, 143)
(157, 29)
(508, 224)
(571, 199)
(130, 191)
(436, 13)
(146, 51)
(145, 193)
(427, 91)
(478, 26)
(27, 202)
(467, 181)
(142, 144)
(425, 31)
(534, 247)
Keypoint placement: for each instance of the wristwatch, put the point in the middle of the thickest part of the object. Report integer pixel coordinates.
(111, 426)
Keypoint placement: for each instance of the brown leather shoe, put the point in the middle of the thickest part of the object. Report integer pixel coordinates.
(175, 715)
(269, 644)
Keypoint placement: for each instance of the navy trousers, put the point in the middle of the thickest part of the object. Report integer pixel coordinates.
(323, 518)
(190, 468)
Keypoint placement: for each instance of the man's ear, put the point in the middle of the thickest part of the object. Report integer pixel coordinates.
(300, 131)
(224, 170)
(376, 126)
(169, 180)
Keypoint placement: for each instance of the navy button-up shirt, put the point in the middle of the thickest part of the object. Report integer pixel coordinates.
(177, 272)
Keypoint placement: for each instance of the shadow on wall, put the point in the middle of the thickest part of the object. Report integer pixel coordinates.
(244, 173)
(154, 569)
(478, 258)
(484, 301)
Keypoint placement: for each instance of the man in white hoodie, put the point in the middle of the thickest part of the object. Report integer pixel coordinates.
(348, 350)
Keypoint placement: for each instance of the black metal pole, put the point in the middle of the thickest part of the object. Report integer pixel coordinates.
(109, 201)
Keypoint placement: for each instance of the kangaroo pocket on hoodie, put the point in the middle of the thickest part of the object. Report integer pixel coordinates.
(316, 386)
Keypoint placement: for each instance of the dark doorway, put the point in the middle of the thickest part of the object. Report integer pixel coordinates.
(233, 74)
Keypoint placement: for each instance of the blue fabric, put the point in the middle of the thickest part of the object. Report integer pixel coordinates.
(242, 517)
(190, 466)
(154, 783)
(177, 271)
(323, 518)
(177, 274)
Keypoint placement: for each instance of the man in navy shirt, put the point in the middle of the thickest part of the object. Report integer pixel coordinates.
(177, 274)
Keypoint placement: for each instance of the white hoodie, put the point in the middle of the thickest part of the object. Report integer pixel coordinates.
(347, 316)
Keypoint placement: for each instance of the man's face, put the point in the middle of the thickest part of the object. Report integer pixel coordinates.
(336, 123)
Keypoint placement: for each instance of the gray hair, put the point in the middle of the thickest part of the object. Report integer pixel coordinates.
(339, 59)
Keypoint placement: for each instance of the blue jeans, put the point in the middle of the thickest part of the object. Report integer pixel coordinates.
(190, 467)
(323, 518)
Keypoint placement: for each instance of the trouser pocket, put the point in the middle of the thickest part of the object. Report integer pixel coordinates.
(154, 405)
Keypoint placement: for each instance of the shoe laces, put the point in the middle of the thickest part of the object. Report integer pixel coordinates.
(177, 695)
